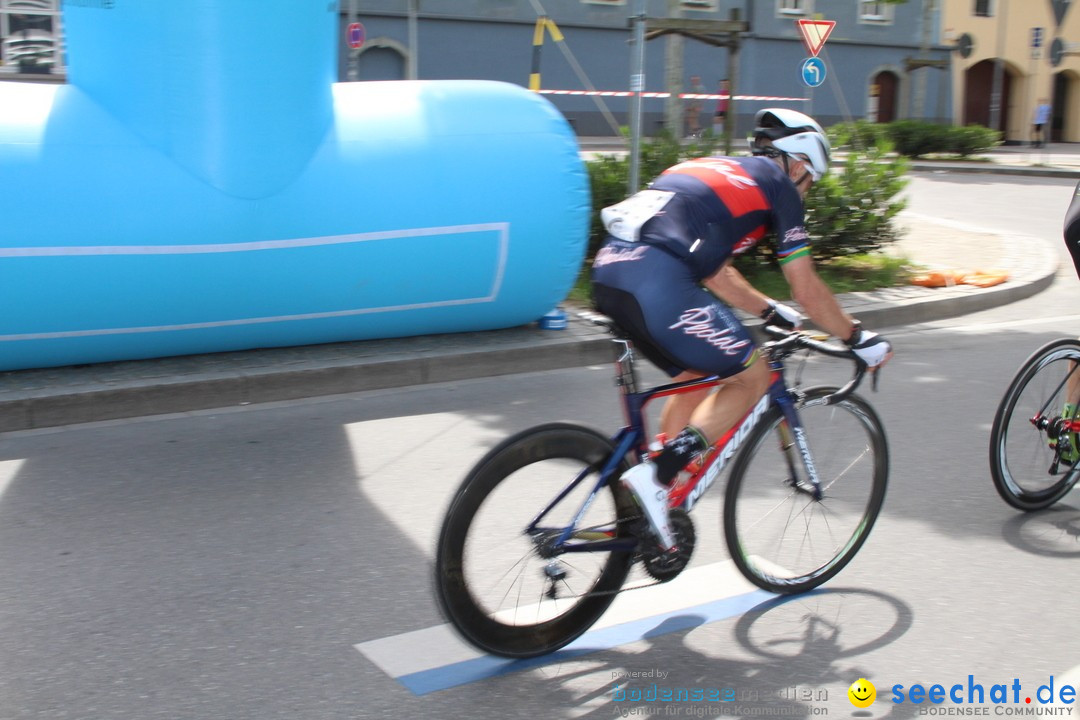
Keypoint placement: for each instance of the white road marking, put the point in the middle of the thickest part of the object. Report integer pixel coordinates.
(436, 658)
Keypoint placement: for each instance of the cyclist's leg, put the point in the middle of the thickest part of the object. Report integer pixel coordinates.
(719, 412)
(678, 408)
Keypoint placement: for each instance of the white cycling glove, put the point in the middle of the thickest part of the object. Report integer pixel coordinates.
(871, 348)
(783, 316)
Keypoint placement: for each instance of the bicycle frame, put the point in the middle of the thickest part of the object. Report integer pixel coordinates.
(633, 437)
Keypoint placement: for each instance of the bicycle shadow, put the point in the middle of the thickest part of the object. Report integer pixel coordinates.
(792, 660)
(1053, 532)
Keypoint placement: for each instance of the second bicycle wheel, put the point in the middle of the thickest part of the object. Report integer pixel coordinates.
(780, 537)
(1027, 468)
(493, 580)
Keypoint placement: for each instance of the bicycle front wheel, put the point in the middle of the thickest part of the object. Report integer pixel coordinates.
(1030, 469)
(781, 538)
(500, 586)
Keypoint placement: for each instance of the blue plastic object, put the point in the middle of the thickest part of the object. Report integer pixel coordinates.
(553, 320)
(203, 185)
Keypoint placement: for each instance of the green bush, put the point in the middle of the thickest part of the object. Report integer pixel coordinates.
(851, 210)
(915, 138)
(857, 135)
(972, 139)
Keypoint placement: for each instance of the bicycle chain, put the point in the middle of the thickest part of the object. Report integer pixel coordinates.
(636, 559)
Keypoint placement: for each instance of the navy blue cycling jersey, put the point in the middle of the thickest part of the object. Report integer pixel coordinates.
(722, 207)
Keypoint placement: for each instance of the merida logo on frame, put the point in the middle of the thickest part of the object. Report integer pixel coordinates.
(998, 695)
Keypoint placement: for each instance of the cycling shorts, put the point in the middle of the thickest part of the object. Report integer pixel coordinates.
(674, 322)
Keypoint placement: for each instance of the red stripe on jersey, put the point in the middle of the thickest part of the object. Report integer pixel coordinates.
(749, 241)
(731, 183)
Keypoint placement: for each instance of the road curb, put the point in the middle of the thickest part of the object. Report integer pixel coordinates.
(92, 400)
(1020, 170)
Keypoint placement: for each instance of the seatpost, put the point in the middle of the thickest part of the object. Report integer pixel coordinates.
(625, 372)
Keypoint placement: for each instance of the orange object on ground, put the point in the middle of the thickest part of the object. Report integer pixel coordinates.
(948, 278)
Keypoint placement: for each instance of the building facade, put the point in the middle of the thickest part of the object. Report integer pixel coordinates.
(1036, 41)
(928, 59)
(31, 40)
(868, 57)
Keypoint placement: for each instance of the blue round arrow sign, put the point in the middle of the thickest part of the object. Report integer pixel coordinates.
(813, 71)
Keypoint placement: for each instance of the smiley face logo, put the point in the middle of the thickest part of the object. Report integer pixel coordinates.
(862, 693)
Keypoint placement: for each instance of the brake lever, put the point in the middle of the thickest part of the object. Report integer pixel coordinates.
(874, 379)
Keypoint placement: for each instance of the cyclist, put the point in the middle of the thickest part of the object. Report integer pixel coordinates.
(1072, 241)
(1072, 228)
(667, 242)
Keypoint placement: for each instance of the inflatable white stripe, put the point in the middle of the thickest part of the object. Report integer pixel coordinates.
(501, 228)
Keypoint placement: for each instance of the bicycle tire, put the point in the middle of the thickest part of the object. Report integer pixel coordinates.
(1022, 461)
(461, 577)
(853, 476)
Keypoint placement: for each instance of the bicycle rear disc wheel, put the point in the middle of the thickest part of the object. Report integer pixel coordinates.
(780, 537)
(492, 583)
(1027, 471)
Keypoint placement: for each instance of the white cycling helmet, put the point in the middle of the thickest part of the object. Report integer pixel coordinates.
(791, 133)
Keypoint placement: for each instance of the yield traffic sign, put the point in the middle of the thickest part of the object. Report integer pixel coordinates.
(815, 33)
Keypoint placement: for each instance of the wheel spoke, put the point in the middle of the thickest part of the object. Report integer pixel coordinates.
(497, 585)
(1028, 464)
(782, 538)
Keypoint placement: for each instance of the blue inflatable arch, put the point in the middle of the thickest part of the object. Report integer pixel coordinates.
(202, 184)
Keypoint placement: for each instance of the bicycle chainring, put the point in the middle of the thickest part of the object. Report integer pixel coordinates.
(664, 565)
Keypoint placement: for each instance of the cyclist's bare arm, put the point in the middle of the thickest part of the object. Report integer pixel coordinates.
(729, 285)
(815, 297)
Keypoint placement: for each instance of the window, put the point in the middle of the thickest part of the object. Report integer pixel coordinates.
(880, 13)
(792, 7)
(30, 42)
(706, 5)
(983, 9)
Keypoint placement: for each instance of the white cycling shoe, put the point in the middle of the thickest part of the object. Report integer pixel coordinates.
(653, 499)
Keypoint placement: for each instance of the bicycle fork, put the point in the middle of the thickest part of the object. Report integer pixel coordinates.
(794, 446)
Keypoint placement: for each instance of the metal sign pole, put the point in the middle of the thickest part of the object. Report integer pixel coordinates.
(999, 71)
(353, 72)
(637, 86)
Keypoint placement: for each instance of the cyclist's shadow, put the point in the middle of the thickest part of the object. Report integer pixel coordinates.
(800, 643)
(1053, 532)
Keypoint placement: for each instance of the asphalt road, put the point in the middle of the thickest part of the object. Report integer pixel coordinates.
(228, 563)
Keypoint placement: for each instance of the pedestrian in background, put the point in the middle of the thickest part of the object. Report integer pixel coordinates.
(694, 107)
(1041, 119)
(721, 108)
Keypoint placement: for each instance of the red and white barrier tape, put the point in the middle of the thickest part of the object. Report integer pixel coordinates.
(685, 96)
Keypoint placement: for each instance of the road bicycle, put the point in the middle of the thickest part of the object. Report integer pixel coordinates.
(541, 535)
(1033, 442)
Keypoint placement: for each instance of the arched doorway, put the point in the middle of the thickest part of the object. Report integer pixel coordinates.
(888, 87)
(978, 88)
(1064, 97)
(381, 60)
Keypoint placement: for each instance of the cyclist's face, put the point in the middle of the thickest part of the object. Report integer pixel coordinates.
(798, 169)
(799, 172)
